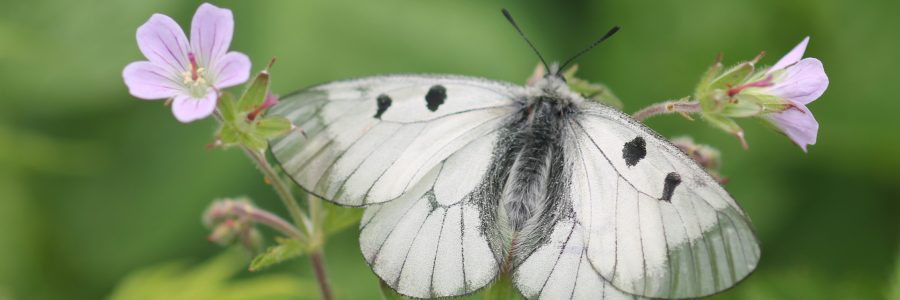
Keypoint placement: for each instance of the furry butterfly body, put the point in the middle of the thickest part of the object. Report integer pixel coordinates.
(464, 179)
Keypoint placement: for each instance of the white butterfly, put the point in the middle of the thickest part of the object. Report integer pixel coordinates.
(465, 178)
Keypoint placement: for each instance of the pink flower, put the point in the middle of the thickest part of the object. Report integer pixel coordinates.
(799, 81)
(190, 73)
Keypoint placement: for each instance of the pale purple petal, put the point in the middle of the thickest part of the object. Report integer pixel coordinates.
(164, 43)
(211, 31)
(798, 124)
(148, 81)
(802, 82)
(792, 57)
(231, 70)
(187, 109)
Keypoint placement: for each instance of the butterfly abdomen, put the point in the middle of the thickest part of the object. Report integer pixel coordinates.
(525, 194)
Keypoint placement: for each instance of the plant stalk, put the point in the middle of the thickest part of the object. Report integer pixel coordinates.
(300, 217)
(682, 106)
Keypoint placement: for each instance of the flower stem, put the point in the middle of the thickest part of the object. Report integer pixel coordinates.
(312, 225)
(318, 261)
(682, 106)
(297, 214)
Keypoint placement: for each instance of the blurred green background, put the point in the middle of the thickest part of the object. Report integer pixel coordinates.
(100, 192)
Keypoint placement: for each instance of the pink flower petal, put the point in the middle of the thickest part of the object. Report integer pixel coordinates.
(794, 56)
(798, 124)
(187, 109)
(164, 43)
(148, 81)
(803, 82)
(211, 32)
(231, 70)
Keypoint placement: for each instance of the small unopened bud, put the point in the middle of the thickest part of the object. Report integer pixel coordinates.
(706, 156)
(224, 234)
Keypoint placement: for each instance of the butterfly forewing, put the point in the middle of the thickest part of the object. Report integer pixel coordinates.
(656, 224)
(370, 140)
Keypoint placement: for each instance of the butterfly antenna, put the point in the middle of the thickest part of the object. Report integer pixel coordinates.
(516, 26)
(608, 34)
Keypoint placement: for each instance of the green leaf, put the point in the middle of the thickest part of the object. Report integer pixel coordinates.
(338, 218)
(285, 250)
(256, 93)
(213, 279)
(273, 127)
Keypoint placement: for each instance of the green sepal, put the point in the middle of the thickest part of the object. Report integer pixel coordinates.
(228, 107)
(733, 76)
(229, 135)
(272, 127)
(723, 123)
(742, 106)
(254, 141)
(707, 78)
(256, 93)
(285, 250)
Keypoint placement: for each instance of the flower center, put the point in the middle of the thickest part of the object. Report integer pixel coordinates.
(194, 79)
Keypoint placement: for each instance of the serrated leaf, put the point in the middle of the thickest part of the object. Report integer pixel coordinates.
(255, 95)
(213, 279)
(273, 127)
(338, 218)
(285, 250)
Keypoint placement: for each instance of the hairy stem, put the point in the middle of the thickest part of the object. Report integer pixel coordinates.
(312, 225)
(682, 106)
(297, 214)
(318, 261)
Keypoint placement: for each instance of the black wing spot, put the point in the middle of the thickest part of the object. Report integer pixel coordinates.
(634, 151)
(435, 97)
(383, 103)
(671, 182)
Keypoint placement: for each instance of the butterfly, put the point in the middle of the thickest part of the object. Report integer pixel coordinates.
(466, 179)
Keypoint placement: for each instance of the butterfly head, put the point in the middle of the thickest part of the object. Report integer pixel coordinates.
(553, 88)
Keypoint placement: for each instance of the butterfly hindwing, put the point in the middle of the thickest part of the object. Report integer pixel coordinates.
(656, 224)
(370, 140)
(560, 269)
(431, 242)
